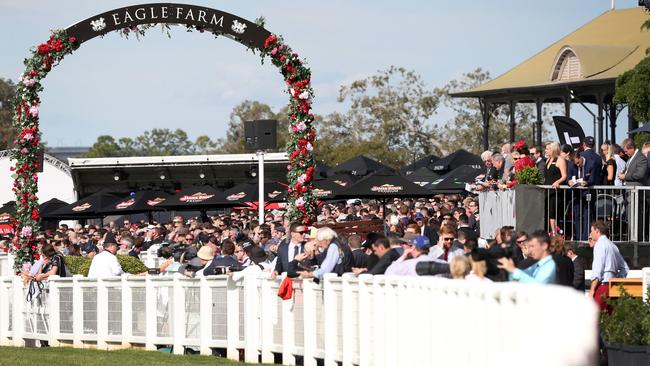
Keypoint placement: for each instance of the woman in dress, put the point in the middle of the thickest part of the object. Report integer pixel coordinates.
(609, 175)
(555, 175)
(53, 264)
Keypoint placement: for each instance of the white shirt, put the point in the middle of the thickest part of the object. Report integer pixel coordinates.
(620, 167)
(104, 264)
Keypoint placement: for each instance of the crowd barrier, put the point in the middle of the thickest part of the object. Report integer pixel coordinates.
(625, 209)
(348, 320)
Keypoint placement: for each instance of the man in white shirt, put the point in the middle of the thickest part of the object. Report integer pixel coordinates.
(414, 252)
(105, 264)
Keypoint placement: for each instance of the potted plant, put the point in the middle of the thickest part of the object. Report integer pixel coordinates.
(626, 331)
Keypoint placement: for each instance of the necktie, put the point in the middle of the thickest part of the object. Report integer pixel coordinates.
(446, 255)
(296, 250)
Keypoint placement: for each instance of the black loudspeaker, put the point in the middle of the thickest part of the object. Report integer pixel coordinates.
(261, 134)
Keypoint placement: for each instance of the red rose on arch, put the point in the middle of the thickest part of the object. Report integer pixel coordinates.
(44, 49)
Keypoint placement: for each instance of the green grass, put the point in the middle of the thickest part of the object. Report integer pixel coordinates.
(15, 356)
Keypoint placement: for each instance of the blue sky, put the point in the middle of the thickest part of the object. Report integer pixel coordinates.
(192, 81)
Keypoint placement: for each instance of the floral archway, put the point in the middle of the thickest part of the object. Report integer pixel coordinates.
(297, 76)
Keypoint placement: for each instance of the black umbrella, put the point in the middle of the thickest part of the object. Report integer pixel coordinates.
(644, 128)
(425, 162)
(321, 170)
(249, 192)
(141, 201)
(86, 207)
(455, 180)
(422, 176)
(358, 166)
(47, 208)
(327, 188)
(456, 160)
(8, 207)
(193, 198)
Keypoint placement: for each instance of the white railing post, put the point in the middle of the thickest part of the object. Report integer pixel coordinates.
(251, 318)
(348, 314)
(288, 335)
(18, 322)
(232, 311)
(309, 322)
(127, 308)
(77, 312)
(178, 316)
(54, 317)
(267, 318)
(391, 321)
(379, 320)
(205, 308)
(4, 314)
(366, 337)
(102, 314)
(330, 320)
(151, 316)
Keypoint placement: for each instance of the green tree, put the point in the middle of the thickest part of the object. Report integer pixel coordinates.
(389, 119)
(105, 146)
(204, 145)
(163, 142)
(465, 128)
(633, 89)
(7, 131)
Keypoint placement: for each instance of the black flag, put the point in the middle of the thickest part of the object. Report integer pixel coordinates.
(569, 131)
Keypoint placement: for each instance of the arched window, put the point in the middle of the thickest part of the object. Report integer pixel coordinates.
(567, 67)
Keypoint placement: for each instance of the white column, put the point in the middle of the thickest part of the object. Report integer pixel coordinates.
(102, 314)
(260, 174)
(53, 311)
(309, 322)
(251, 318)
(18, 322)
(4, 314)
(365, 335)
(77, 312)
(232, 311)
(151, 299)
(288, 335)
(348, 314)
(127, 315)
(267, 319)
(205, 308)
(178, 316)
(330, 320)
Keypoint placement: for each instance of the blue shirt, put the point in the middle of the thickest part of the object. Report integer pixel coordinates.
(330, 261)
(540, 272)
(608, 262)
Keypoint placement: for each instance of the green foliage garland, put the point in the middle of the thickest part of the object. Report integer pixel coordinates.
(300, 199)
(25, 152)
(629, 321)
(81, 265)
(529, 175)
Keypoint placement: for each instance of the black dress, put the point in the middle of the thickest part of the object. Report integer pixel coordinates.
(58, 262)
(555, 202)
(564, 270)
(606, 181)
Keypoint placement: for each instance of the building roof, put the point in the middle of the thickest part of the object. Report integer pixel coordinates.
(606, 47)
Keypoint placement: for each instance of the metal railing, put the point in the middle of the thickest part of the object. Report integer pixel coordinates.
(364, 321)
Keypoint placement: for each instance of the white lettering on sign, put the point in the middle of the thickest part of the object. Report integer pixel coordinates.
(202, 16)
(140, 14)
(153, 13)
(215, 21)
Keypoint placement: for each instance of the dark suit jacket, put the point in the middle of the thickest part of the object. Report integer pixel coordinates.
(282, 262)
(431, 234)
(383, 262)
(636, 169)
(226, 261)
(593, 167)
(541, 166)
(359, 259)
(579, 274)
(564, 267)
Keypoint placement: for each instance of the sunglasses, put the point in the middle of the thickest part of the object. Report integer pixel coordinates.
(447, 239)
(522, 241)
(300, 232)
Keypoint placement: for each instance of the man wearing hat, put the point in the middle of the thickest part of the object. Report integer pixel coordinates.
(105, 264)
(425, 230)
(196, 265)
(414, 252)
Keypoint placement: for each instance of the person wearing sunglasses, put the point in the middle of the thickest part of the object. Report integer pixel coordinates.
(446, 249)
(290, 248)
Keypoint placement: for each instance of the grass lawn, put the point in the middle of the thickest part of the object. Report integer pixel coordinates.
(80, 357)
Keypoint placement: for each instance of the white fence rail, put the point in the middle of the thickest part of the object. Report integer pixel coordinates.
(366, 321)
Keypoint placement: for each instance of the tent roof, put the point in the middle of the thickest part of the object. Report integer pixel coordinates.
(456, 159)
(426, 162)
(359, 165)
(606, 47)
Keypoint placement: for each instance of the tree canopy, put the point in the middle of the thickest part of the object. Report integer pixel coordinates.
(7, 131)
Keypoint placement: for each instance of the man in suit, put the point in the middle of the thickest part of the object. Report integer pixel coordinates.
(584, 173)
(537, 155)
(636, 167)
(425, 230)
(290, 248)
(646, 153)
(578, 268)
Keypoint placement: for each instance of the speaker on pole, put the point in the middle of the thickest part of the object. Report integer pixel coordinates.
(260, 134)
(40, 157)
